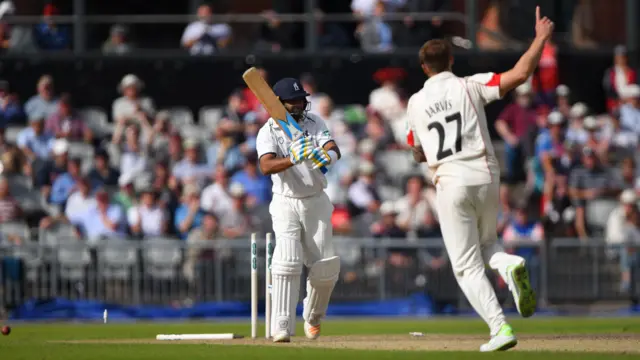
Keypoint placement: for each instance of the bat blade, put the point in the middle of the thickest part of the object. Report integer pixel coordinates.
(272, 104)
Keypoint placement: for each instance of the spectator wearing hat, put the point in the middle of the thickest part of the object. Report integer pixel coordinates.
(189, 213)
(66, 122)
(215, 197)
(132, 106)
(190, 168)
(148, 218)
(618, 77)
(237, 221)
(204, 37)
(256, 185)
(386, 98)
(551, 157)
(576, 133)
(66, 184)
(623, 229)
(102, 221)
(563, 101)
(49, 35)
(588, 182)
(125, 197)
(51, 169)
(630, 108)
(34, 142)
(10, 109)
(102, 173)
(117, 43)
(45, 102)
(513, 124)
(594, 140)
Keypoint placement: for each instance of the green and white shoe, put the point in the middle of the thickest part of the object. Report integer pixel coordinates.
(523, 294)
(503, 340)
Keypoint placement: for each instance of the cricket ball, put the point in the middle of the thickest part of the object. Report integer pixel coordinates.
(6, 330)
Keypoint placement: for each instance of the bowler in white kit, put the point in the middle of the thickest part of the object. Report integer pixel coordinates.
(448, 129)
(301, 213)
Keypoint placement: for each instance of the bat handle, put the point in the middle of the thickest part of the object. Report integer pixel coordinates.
(324, 170)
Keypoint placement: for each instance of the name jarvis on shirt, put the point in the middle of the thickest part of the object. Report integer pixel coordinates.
(438, 106)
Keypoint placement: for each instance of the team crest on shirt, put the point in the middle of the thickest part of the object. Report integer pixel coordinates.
(280, 140)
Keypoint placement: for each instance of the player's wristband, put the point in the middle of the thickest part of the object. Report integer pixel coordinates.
(333, 155)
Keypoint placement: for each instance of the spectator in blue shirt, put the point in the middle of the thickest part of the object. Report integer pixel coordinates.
(190, 167)
(255, 184)
(224, 151)
(66, 183)
(189, 214)
(10, 109)
(102, 173)
(104, 220)
(44, 101)
(49, 35)
(33, 141)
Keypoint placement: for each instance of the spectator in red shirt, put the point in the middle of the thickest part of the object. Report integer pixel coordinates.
(513, 124)
(617, 77)
(546, 80)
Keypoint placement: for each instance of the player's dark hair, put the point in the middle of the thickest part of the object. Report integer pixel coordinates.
(436, 55)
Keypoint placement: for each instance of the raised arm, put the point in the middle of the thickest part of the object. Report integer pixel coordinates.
(528, 62)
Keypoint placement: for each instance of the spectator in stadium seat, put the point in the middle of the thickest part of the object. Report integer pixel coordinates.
(617, 77)
(34, 142)
(66, 183)
(363, 196)
(311, 87)
(364, 8)
(341, 133)
(386, 227)
(148, 218)
(559, 213)
(160, 184)
(66, 122)
(237, 220)
(224, 151)
(77, 204)
(273, 34)
(413, 209)
(44, 102)
(51, 169)
(117, 43)
(9, 208)
(618, 140)
(135, 159)
(175, 150)
(593, 140)
(551, 157)
(190, 168)
(132, 106)
(215, 197)
(378, 130)
(386, 98)
(515, 121)
(49, 35)
(201, 255)
(162, 130)
(255, 184)
(103, 221)
(589, 182)
(189, 214)
(628, 174)
(204, 37)
(12, 159)
(374, 33)
(563, 102)
(518, 235)
(10, 109)
(630, 108)
(576, 135)
(623, 228)
(102, 174)
(125, 197)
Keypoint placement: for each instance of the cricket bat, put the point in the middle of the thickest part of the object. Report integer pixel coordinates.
(272, 104)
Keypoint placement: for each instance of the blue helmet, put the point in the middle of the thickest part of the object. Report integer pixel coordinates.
(289, 89)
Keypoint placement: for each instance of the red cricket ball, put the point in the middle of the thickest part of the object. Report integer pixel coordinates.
(6, 330)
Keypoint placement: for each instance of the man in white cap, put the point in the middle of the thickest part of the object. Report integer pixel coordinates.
(301, 213)
(132, 106)
(623, 227)
(630, 108)
(551, 156)
(563, 102)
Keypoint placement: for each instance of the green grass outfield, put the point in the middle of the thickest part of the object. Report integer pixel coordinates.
(46, 341)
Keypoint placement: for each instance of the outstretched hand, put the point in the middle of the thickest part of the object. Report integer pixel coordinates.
(544, 26)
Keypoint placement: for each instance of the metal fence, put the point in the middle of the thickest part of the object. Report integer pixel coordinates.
(165, 271)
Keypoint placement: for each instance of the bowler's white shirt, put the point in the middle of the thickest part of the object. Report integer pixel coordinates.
(298, 181)
(447, 118)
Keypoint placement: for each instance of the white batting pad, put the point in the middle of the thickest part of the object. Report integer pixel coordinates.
(322, 278)
(286, 268)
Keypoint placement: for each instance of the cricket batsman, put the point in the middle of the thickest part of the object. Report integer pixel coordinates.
(448, 130)
(301, 213)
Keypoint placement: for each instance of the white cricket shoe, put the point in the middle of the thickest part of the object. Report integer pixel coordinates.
(282, 337)
(503, 340)
(311, 331)
(523, 294)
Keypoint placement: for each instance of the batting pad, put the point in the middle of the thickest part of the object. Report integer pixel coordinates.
(322, 278)
(286, 269)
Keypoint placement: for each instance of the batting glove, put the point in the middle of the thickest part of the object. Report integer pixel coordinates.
(300, 149)
(319, 158)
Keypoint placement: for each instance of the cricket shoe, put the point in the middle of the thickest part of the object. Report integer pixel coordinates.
(282, 337)
(523, 294)
(503, 340)
(311, 331)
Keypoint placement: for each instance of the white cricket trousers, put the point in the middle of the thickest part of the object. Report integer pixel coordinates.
(303, 233)
(468, 220)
